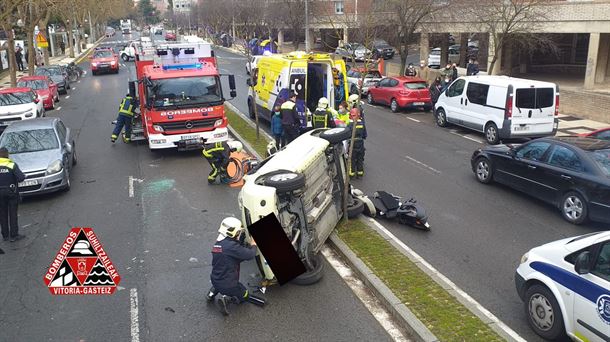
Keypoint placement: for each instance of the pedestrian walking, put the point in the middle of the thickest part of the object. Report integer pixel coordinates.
(381, 65)
(276, 128)
(39, 58)
(472, 68)
(62, 46)
(124, 119)
(10, 176)
(436, 90)
(291, 123)
(229, 251)
(410, 71)
(446, 75)
(26, 55)
(19, 57)
(424, 71)
(454, 70)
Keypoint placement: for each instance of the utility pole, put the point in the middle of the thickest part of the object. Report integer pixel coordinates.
(306, 27)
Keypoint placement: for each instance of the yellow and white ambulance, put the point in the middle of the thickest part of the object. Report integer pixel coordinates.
(309, 75)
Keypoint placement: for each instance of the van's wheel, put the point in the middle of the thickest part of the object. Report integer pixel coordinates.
(336, 135)
(312, 276)
(251, 109)
(355, 208)
(491, 134)
(369, 99)
(574, 208)
(543, 312)
(441, 118)
(284, 181)
(394, 106)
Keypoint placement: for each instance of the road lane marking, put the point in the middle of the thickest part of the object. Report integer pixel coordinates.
(466, 137)
(74, 88)
(67, 97)
(444, 279)
(413, 119)
(423, 164)
(131, 186)
(135, 328)
(59, 108)
(361, 291)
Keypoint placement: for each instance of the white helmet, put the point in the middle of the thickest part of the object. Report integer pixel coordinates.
(235, 146)
(230, 227)
(323, 103)
(353, 99)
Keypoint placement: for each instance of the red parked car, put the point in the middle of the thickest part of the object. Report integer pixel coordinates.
(104, 60)
(46, 90)
(603, 134)
(401, 92)
(170, 36)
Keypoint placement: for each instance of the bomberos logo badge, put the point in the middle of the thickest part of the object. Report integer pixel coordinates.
(82, 267)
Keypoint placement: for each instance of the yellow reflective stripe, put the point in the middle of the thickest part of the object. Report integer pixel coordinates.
(7, 163)
(246, 294)
(287, 105)
(581, 336)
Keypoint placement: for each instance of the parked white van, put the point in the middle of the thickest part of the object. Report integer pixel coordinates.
(502, 107)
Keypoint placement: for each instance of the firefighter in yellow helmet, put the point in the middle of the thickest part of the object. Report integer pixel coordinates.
(324, 116)
(217, 154)
(125, 117)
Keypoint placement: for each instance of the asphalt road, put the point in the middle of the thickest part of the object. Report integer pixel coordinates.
(479, 232)
(159, 240)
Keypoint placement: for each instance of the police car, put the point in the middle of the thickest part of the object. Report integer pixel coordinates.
(565, 287)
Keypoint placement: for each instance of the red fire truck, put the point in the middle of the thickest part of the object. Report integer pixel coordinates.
(180, 95)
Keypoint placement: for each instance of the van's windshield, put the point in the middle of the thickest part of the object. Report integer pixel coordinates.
(535, 98)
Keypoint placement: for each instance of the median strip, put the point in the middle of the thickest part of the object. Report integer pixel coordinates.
(427, 310)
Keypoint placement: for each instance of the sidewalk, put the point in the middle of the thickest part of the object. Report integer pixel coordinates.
(5, 81)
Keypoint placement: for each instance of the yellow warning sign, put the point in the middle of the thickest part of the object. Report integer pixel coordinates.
(41, 41)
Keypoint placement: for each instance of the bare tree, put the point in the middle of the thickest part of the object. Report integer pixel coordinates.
(8, 15)
(293, 17)
(509, 22)
(403, 18)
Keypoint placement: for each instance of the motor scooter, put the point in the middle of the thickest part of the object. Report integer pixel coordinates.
(407, 212)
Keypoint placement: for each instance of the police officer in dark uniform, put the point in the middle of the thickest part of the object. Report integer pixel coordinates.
(217, 154)
(10, 176)
(227, 254)
(291, 123)
(126, 111)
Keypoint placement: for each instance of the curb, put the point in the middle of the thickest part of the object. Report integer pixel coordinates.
(399, 311)
(247, 145)
(248, 120)
(79, 59)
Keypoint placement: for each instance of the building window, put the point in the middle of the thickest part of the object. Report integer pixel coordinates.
(339, 7)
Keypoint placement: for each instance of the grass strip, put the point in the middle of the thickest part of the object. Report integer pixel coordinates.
(442, 313)
(247, 132)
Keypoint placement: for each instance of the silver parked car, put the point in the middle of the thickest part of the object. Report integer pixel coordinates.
(45, 152)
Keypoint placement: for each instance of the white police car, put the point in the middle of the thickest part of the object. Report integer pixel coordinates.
(565, 286)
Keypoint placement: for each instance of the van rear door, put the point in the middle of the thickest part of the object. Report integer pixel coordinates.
(533, 111)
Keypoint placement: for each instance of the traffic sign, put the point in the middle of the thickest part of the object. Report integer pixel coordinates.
(41, 41)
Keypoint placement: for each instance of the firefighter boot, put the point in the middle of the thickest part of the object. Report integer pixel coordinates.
(113, 138)
(211, 294)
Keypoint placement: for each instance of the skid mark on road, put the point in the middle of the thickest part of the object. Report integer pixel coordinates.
(360, 290)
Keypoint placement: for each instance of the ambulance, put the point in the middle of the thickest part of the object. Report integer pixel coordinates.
(309, 75)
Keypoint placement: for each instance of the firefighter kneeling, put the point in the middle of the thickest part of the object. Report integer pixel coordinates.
(217, 154)
(228, 252)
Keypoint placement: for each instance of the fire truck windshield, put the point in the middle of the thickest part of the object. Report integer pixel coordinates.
(184, 92)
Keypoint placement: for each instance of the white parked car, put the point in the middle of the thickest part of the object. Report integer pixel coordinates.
(565, 286)
(502, 107)
(254, 61)
(354, 78)
(434, 59)
(19, 104)
(303, 185)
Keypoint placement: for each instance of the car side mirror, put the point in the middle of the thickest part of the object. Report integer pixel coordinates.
(68, 147)
(582, 264)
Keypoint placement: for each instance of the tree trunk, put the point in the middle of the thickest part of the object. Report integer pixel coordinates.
(70, 40)
(12, 61)
(295, 38)
(32, 53)
(404, 53)
(463, 50)
(42, 25)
